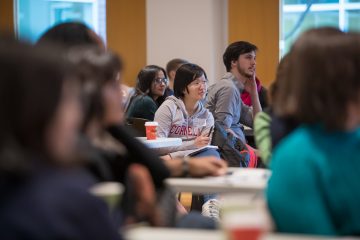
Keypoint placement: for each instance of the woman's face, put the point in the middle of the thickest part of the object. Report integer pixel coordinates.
(112, 100)
(158, 85)
(62, 133)
(196, 90)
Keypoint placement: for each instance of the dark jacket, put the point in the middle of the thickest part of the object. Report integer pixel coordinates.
(53, 204)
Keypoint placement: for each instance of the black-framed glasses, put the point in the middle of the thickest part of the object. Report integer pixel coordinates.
(161, 80)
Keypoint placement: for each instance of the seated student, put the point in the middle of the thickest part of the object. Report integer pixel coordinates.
(314, 184)
(224, 99)
(149, 94)
(42, 193)
(184, 116)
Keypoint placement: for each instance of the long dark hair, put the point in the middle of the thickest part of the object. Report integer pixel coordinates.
(94, 69)
(31, 86)
(144, 80)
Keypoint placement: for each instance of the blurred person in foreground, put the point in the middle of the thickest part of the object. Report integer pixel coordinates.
(44, 195)
(315, 169)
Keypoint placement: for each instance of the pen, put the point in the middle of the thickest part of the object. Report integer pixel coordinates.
(210, 131)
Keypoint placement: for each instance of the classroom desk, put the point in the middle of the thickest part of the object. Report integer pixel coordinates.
(242, 180)
(148, 233)
(161, 142)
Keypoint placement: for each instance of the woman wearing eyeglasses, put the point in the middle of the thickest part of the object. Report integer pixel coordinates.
(149, 95)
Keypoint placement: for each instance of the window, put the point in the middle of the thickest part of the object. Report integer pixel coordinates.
(300, 15)
(34, 17)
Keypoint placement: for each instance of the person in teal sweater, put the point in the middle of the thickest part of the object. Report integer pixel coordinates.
(314, 188)
(149, 94)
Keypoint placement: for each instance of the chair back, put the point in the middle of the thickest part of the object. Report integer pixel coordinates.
(138, 125)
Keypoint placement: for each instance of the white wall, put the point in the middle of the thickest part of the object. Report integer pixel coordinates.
(195, 30)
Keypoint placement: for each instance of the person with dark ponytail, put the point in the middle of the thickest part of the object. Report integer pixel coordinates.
(43, 193)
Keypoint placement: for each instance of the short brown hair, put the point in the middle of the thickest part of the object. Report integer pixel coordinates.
(234, 50)
(174, 64)
(326, 78)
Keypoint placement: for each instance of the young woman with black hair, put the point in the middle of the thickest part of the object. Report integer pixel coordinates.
(149, 95)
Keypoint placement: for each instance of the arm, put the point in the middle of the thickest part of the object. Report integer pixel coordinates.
(246, 115)
(197, 167)
(139, 153)
(227, 100)
(262, 136)
(209, 128)
(250, 87)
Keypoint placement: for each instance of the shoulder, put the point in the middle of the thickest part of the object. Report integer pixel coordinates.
(208, 114)
(224, 89)
(167, 109)
(262, 121)
(144, 102)
(296, 149)
(223, 85)
(262, 118)
(168, 104)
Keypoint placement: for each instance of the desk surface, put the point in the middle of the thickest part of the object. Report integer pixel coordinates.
(147, 233)
(161, 142)
(242, 180)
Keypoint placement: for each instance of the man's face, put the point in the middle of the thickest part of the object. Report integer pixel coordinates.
(246, 64)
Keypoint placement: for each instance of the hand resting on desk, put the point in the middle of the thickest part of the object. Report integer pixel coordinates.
(197, 166)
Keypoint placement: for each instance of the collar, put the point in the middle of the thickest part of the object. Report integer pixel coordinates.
(237, 83)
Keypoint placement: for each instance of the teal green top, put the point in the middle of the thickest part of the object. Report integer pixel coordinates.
(315, 185)
(142, 107)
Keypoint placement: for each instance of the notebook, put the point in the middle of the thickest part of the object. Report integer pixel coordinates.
(202, 149)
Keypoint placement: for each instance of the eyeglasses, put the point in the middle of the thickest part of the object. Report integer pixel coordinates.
(197, 83)
(161, 80)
